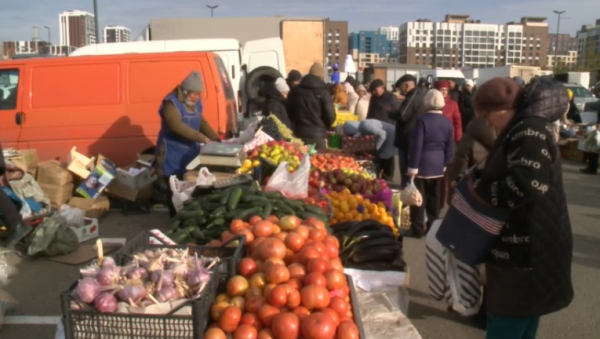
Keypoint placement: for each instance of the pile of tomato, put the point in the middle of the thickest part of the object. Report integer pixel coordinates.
(289, 285)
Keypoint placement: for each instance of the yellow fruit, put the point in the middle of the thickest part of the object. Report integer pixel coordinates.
(349, 216)
(255, 163)
(358, 218)
(346, 192)
(247, 163)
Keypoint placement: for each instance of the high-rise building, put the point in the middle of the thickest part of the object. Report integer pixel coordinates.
(371, 47)
(336, 43)
(461, 42)
(12, 48)
(76, 28)
(588, 46)
(115, 33)
(391, 32)
(565, 43)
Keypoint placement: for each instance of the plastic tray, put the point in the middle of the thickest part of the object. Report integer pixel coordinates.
(355, 308)
(89, 323)
(230, 256)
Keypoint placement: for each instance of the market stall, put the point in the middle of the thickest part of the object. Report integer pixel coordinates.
(271, 250)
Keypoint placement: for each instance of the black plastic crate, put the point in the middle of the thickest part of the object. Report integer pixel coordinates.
(230, 256)
(355, 309)
(90, 324)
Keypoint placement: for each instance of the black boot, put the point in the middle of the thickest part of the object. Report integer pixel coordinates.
(16, 234)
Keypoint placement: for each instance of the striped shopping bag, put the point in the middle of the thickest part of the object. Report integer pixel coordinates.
(471, 227)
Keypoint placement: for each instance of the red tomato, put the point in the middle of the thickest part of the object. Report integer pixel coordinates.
(293, 298)
(331, 250)
(215, 333)
(230, 319)
(236, 226)
(333, 314)
(265, 333)
(277, 274)
(267, 313)
(307, 253)
(278, 296)
(270, 248)
(336, 264)
(339, 305)
(317, 234)
(315, 278)
(335, 279)
(314, 296)
(247, 267)
(319, 265)
(251, 319)
(255, 219)
(297, 271)
(263, 228)
(253, 305)
(295, 283)
(301, 311)
(286, 325)
(347, 330)
(294, 241)
(318, 326)
(245, 332)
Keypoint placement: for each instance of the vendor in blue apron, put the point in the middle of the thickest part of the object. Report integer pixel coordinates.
(182, 130)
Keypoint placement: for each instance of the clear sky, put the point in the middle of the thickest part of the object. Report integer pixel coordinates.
(17, 17)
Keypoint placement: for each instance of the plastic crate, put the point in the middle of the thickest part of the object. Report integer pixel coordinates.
(355, 308)
(90, 324)
(230, 256)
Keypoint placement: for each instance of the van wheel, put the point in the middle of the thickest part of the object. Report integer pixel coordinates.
(256, 79)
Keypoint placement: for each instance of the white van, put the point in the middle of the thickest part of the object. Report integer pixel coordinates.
(248, 66)
(455, 75)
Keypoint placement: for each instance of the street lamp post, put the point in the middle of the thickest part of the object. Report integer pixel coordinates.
(212, 8)
(559, 13)
(49, 38)
(96, 21)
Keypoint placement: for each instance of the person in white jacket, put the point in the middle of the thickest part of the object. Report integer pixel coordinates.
(362, 106)
(352, 96)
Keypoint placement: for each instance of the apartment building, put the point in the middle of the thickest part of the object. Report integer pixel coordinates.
(115, 33)
(561, 43)
(10, 49)
(391, 32)
(336, 43)
(588, 46)
(369, 47)
(568, 60)
(459, 41)
(76, 28)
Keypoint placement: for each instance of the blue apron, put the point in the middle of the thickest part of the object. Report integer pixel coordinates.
(179, 152)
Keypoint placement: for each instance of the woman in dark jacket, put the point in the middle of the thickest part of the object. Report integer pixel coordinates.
(275, 103)
(529, 270)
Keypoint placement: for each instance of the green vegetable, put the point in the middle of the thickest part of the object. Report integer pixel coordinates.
(267, 209)
(175, 224)
(184, 215)
(247, 214)
(234, 198)
(219, 212)
(198, 234)
(314, 209)
(281, 206)
(272, 195)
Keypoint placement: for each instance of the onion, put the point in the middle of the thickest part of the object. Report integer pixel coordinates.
(132, 292)
(108, 262)
(106, 303)
(198, 276)
(108, 276)
(137, 273)
(166, 293)
(87, 290)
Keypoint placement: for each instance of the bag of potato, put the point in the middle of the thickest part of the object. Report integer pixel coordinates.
(411, 196)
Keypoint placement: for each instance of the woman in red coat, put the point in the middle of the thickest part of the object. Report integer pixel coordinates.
(451, 110)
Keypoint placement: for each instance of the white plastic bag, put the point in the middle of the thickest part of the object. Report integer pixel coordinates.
(411, 196)
(592, 143)
(291, 185)
(75, 216)
(182, 190)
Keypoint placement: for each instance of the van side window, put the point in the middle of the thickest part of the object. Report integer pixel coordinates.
(224, 79)
(9, 84)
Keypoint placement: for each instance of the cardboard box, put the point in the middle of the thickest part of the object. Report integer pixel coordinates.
(94, 209)
(58, 195)
(99, 179)
(53, 173)
(133, 182)
(79, 164)
(89, 230)
(27, 160)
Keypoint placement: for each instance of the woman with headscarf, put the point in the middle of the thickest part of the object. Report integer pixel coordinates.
(362, 106)
(352, 97)
(275, 103)
(528, 272)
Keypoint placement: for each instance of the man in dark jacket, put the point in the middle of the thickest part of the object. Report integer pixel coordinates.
(465, 104)
(275, 103)
(411, 109)
(528, 272)
(382, 102)
(310, 108)
(454, 91)
(15, 229)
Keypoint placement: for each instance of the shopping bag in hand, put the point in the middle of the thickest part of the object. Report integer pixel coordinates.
(411, 196)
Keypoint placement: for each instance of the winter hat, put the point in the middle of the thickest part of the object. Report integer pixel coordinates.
(193, 82)
(434, 101)
(441, 84)
(469, 83)
(405, 78)
(317, 70)
(294, 75)
(498, 94)
(281, 85)
(422, 81)
(376, 84)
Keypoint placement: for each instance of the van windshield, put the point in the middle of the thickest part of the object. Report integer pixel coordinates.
(224, 79)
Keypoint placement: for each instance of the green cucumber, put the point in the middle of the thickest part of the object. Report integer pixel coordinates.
(189, 222)
(267, 209)
(247, 214)
(234, 198)
(198, 234)
(283, 207)
(219, 212)
(272, 195)
(209, 206)
(314, 209)
(184, 215)
(175, 224)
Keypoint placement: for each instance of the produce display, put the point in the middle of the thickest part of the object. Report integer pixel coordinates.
(248, 166)
(367, 243)
(205, 218)
(274, 152)
(354, 207)
(285, 132)
(155, 276)
(270, 127)
(290, 284)
(338, 180)
(325, 162)
(364, 143)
